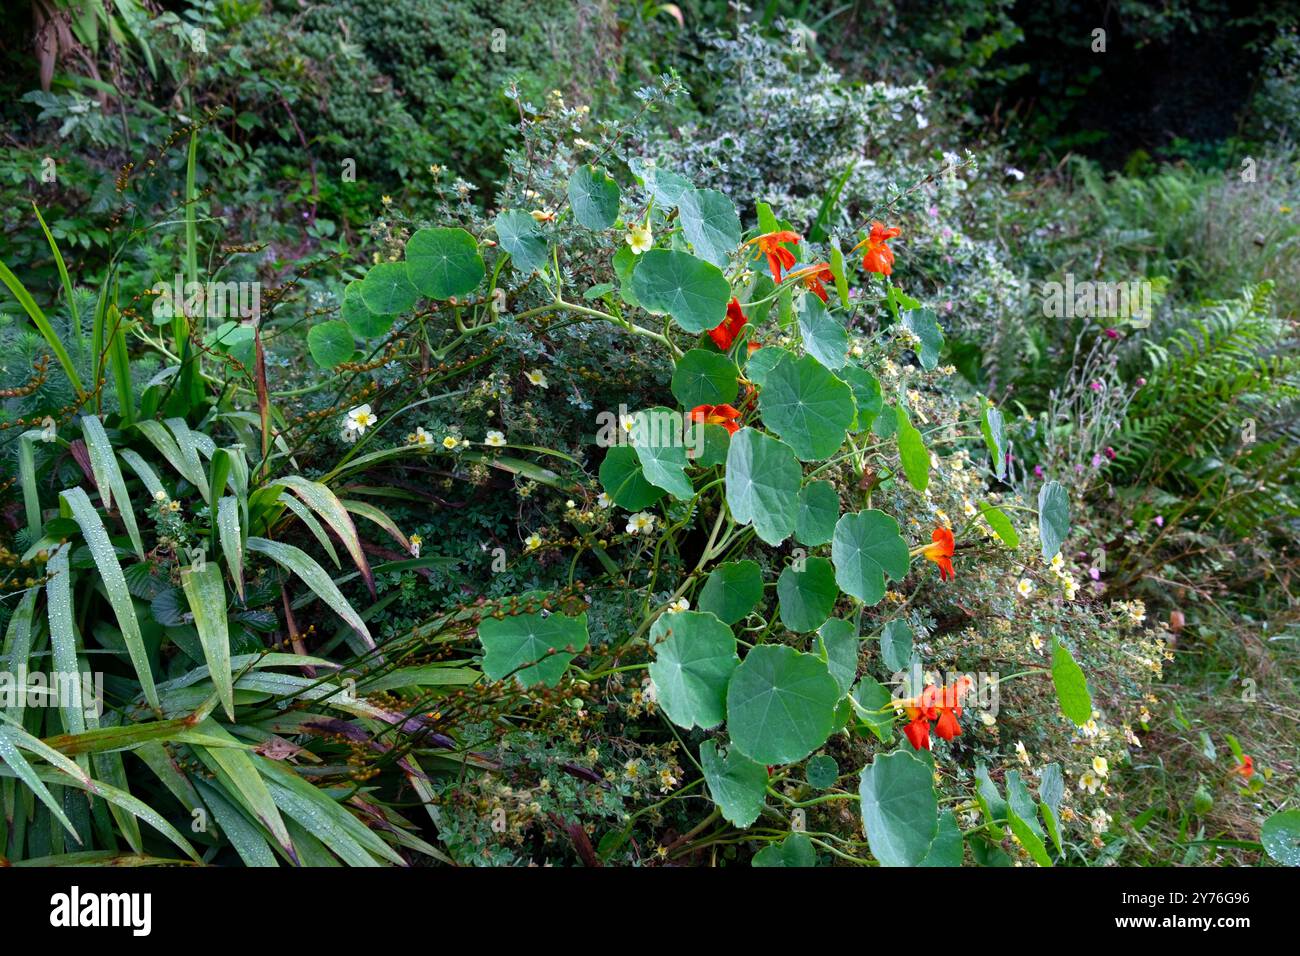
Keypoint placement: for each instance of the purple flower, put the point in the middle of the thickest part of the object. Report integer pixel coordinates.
(1038, 471)
(1096, 461)
(1094, 574)
(1160, 521)
(1112, 334)
(933, 211)
(1141, 382)
(1096, 386)
(1110, 453)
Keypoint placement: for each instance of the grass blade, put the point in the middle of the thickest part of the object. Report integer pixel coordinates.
(43, 325)
(108, 476)
(232, 543)
(207, 598)
(314, 576)
(326, 504)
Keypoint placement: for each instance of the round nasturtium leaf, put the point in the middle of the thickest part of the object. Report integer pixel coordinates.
(330, 343)
(924, 324)
(664, 185)
(386, 290)
(658, 437)
(624, 481)
(732, 590)
(363, 323)
(695, 654)
(1281, 837)
(838, 640)
(705, 378)
(594, 197)
(737, 785)
(866, 393)
(521, 644)
(762, 482)
(807, 406)
(694, 292)
(710, 222)
(806, 597)
(707, 444)
(866, 547)
(780, 704)
(795, 851)
(519, 235)
(896, 644)
(899, 809)
(823, 771)
(443, 262)
(946, 850)
(819, 509)
(823, 336)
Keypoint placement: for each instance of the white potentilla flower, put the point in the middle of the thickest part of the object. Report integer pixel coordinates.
(1131, 737)
(419, 437)
(987, 719)
(603, 500)
(1071, 589)
(942, 517)
(1025, 587)
(1100, 767)
(1099, 821)
(969, 509)
(1036, 642)
(1058, 561)
(1015, 174)
(1089, 781)
(359, 419)
(921, 121)
(1090, 728)
(494, 439)
(681, 604)
(537, 377)
(626, 422)
(642, 521)
(1021, 753)
(450, 442)
(160, 496)
(532, 542)
(1138, 613)
(349, 435)
(416, 541)
(639, 238)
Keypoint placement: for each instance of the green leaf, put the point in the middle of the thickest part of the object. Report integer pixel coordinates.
(900, 811)
(665, 186)
(520, 236)
(732, 590)
(995, 437)
(1001, 525)
(763, 361)
(521, 644)
(1281, 837)
(989, 799)
(762, 482)
(710, 223)
(1051, 788)
(806, 598)
(624, 481)
(839, 645)
(15, 761)
(823, 336)
(870, 701)
(837, 270)
(363, 323)
(705, 378)
(807, 406)
(658, 438)
(330, 343)
(796, 850)
(819, 509)
(594, 196)
(236, 771)
(1022, 816)
(946, 850)
(387, 289)
(232, 544)
(736, 784)
(108, 478)
(695, 654)
(1071, 686)
(912, 450)
(119, 596)
(896, 645)
(325, 503)
(694, 292)
(866, 393)
(440, 263)
(925, 326)
(780, 704)
(314, 576)
(866, 547)
(823, 771)
(207, 599)
(1053, 518)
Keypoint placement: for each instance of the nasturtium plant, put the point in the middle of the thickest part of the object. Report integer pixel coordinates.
(594, 196)
(866, 549)
(806, 595)
(531, 648)
(441, 263)
(732, 590)
(1053, 517)
(705, 378)
(363, 323)
(780, 704)
(710, 223)
(807, 406)
(520, 235)
(330, 342)
(388, 290)
(819, 510)
(900, 812)
(624, 480)
(763, 478)
(695, 654)
(694, 292)
(737, 784)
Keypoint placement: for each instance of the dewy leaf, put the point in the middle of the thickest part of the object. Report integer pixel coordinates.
(1053, 518)
(899, 809)
(108, 476)
(694, 292)
(387, 288)
(819, 509)
(207, 600)
(925, 326)
(594, 195)
(658, 437)
(624, 481)
(1001, 525)
(695, 654)
(912, 450)
(15, 761)
(732, 590)
(995, 437)
(521, 644)
(737, 785)
(1071, 686)
(1281, 837)
(232, 540)
(705, 378)
(1051, 788)
(807, 406)
(780, 704)
(520, 236)
(63, 634)
(440, 263)
(325, 503)
(896, 644)
(710, 223)
(762, 482)
(330, 343)
(314, 576)
(110, 573)
(807, 597)
(823, 336)
(866, 547)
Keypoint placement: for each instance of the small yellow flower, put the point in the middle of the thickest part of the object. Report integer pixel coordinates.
(639, 238)
(1058, 561)
(160, 496)
(419, 437)
(1025, 587)
(387, 200)
(639, 522)
(681, 604)
(450, 442)
(537, 377)
(1021, 753)
(1100, 767)
(1089, 781)
(359, 419)
(543, 215)
(416, 541)
(173, 505)
(532, 542)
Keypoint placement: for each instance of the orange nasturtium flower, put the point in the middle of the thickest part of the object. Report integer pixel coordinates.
(1246, 768)
(813, 277)
(879, 257)
(730, 327)
(778, 257)
(941, 552)
(724, 415)
(940, 704)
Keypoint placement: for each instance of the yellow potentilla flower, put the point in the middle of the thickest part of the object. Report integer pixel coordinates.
(537, 377)
(639, 238)
(494, 439)
(532, 542)
(450, 442)
(419, 437)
